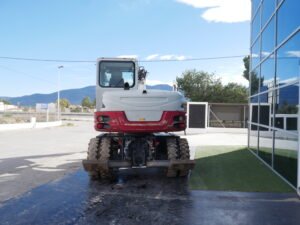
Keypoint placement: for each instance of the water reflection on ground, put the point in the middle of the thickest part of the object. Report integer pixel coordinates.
(144, 197)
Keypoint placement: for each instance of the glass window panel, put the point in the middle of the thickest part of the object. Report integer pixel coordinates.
(253, 139)
(264, 109)
(255, 27)
(268, 9)
(116, 74)
(254, 112)
(255, 81)
(265, 144)
(287, 100)
(267, 76)
(255, 59)
(286, 155)
(288, 18)
(255, 4)
(292, 123)
(268, 39)
(288, 61)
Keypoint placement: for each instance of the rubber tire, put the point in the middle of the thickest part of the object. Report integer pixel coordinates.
(184, 149)
(93, 154)
(184, 154)
(104, 155)
(172, 155)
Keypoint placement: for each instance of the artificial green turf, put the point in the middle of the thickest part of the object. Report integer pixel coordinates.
(232, 168)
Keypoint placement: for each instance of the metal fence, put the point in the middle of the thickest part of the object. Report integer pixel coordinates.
(228, 115)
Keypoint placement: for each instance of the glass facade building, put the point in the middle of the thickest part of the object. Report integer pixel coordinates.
(274, 86)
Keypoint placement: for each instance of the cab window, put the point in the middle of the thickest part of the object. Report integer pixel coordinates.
(116, 74)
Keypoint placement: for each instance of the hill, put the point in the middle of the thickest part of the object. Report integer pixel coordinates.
(73, 95)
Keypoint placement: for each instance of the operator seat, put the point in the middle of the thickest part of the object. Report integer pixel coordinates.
(116, 79)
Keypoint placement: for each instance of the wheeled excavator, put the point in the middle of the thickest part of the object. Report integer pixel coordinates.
(136, 125)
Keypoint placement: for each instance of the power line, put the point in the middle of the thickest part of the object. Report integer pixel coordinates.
(93, 61)
(19, 72)
(193, 59)
(47, 60)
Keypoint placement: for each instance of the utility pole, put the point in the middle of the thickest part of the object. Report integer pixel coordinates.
(58, 91)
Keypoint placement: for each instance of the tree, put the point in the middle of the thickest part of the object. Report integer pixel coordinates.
(203, 86)
(64, 103)
(94, 103)
(86, 102)
(234, 92)
(200, 85)
(5, 102)
(254, 76)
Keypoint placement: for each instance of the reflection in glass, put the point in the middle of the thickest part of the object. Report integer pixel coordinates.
(268, 9)
(255, 4)
(255, 27)
(253, 140)
(254, 109)
(255, 57)
(286, 107)
(265, 145)
(285, 155)
(265, 110)
(267, 74)
(288, 61)
(255, 81)
(288, 19)
(268, 39)
(287, 100)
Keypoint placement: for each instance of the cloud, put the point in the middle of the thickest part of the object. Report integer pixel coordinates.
(172, 57)
(165, 57)
(226, 11)
(155, 82)
(152, 57)
(293, 53)
(128, 56)
(264, 53)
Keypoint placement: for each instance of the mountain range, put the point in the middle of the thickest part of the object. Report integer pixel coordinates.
(74, 96)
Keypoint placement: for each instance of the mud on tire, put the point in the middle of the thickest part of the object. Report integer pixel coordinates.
(172, 155)
(184, 155)
(99, 149)
(93, 154)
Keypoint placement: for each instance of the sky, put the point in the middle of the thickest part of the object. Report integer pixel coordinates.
(145, 29)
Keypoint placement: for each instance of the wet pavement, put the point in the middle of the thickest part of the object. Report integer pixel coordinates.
(145, 197)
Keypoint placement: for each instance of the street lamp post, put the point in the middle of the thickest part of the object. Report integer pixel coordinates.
(58, 92)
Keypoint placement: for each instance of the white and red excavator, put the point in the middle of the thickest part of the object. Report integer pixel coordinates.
(136, 124)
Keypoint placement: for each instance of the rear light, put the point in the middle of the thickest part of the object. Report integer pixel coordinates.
(179, 118)
(99, 126)
(179, 122)
(103, 119)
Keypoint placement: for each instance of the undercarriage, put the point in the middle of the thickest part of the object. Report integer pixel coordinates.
(111, 151)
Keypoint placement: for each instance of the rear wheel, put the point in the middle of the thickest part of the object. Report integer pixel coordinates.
(104, 155)
(184, 155)
(172, 155)
(93, 154)
(99, 149)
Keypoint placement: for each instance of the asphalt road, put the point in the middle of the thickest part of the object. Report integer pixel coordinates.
(29, 158)
(34, 187)
(146, 198)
